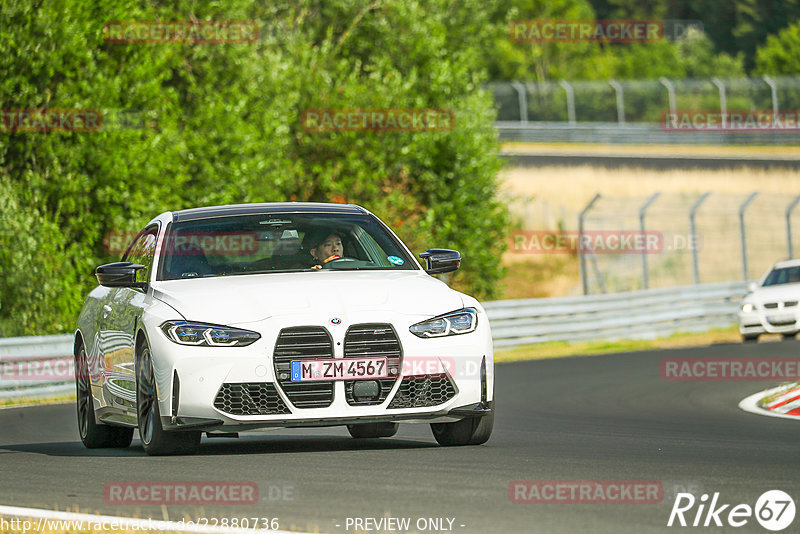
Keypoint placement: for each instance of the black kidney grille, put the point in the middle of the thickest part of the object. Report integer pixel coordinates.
(250, 399)
(299, 343)
(373, 340)
(424, 390)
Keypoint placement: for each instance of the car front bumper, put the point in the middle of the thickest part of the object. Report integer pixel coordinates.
(769, 321)
(453, 376)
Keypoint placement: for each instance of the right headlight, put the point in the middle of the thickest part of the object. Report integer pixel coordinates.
(450, 324)
(207, 335)
(747, 307)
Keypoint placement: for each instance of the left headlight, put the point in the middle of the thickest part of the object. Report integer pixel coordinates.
(450, 324)
(207, 335)
(747, 307)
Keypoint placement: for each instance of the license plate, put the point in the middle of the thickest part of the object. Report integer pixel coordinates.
(339, 369)
(779, 320)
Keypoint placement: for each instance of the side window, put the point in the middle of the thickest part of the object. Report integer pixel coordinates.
(373, 250)
(142, 252)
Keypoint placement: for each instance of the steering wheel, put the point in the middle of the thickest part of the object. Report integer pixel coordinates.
(328, 264)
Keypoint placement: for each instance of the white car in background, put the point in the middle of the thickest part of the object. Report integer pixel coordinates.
(233, 318)
(772, 307)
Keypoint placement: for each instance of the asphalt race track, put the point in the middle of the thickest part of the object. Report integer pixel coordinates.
(585, 418)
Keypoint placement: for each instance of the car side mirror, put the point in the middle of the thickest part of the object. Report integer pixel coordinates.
(120, 274)
(752, 286)
(441, 260)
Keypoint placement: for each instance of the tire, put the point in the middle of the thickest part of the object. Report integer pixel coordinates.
(373, 430)
(155, 440)
(749, 338)
(788, 335)
(94, 435)
(468, 431)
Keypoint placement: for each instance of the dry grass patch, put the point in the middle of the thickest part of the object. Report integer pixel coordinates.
(539, 276)
(571, 188)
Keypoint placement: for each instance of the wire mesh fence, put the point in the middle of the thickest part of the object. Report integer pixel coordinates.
(640, 110)
(704, 238)
(625, 243)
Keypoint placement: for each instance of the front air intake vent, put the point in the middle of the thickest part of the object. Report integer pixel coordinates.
(300, 343)
(424, 390)
(250, 399)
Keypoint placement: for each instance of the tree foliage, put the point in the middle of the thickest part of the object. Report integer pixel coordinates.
(692, 54)
(735, 27)
(221, 124)
(781, 53)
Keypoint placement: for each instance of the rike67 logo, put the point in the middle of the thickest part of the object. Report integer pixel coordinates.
(774, 510)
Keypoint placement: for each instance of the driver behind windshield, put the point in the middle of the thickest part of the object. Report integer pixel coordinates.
(325, 246)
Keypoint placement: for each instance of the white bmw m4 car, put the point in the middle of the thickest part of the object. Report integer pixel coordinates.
(232, 318)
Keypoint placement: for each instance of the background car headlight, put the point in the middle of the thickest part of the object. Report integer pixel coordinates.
(208, 335)
(747, 307)
(450, 324)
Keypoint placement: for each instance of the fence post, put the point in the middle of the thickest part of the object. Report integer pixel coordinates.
(620, 100)
(642, 211)
(581, 256)
(789, 209)
(693, 231)
(773, 89)
(742, 236)
(523, 101)
(723, 101)
(570, 101)
(670, 93)
(528, 200)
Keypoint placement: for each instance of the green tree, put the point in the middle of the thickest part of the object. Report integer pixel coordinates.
(781, 53)
(699, 60)
(221, 123)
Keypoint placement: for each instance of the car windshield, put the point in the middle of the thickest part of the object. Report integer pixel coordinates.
(786, 275)
(277, 242)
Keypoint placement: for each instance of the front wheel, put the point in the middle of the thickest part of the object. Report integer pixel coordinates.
(156, 440)
(94, 435)
(749, 338)
(468, 431)
(373, 430)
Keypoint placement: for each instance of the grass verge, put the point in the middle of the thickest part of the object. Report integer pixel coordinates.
(560, 349)
(671, 150)
(60, 399)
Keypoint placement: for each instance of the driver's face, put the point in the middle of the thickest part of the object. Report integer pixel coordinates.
(332, 246)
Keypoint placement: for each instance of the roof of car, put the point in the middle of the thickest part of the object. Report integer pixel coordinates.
(787, 263)
(267, 207)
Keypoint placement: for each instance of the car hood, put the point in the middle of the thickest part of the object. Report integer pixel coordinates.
(229, 300)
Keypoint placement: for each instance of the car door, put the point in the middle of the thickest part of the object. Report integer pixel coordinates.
(122, 311)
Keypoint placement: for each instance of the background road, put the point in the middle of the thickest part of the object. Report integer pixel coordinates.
(586, 418)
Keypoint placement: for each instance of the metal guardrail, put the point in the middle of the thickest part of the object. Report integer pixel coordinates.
(633, 111)
(644, 314)
(545, 157)
(610, 133)
(640, 314)
(33, 367)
